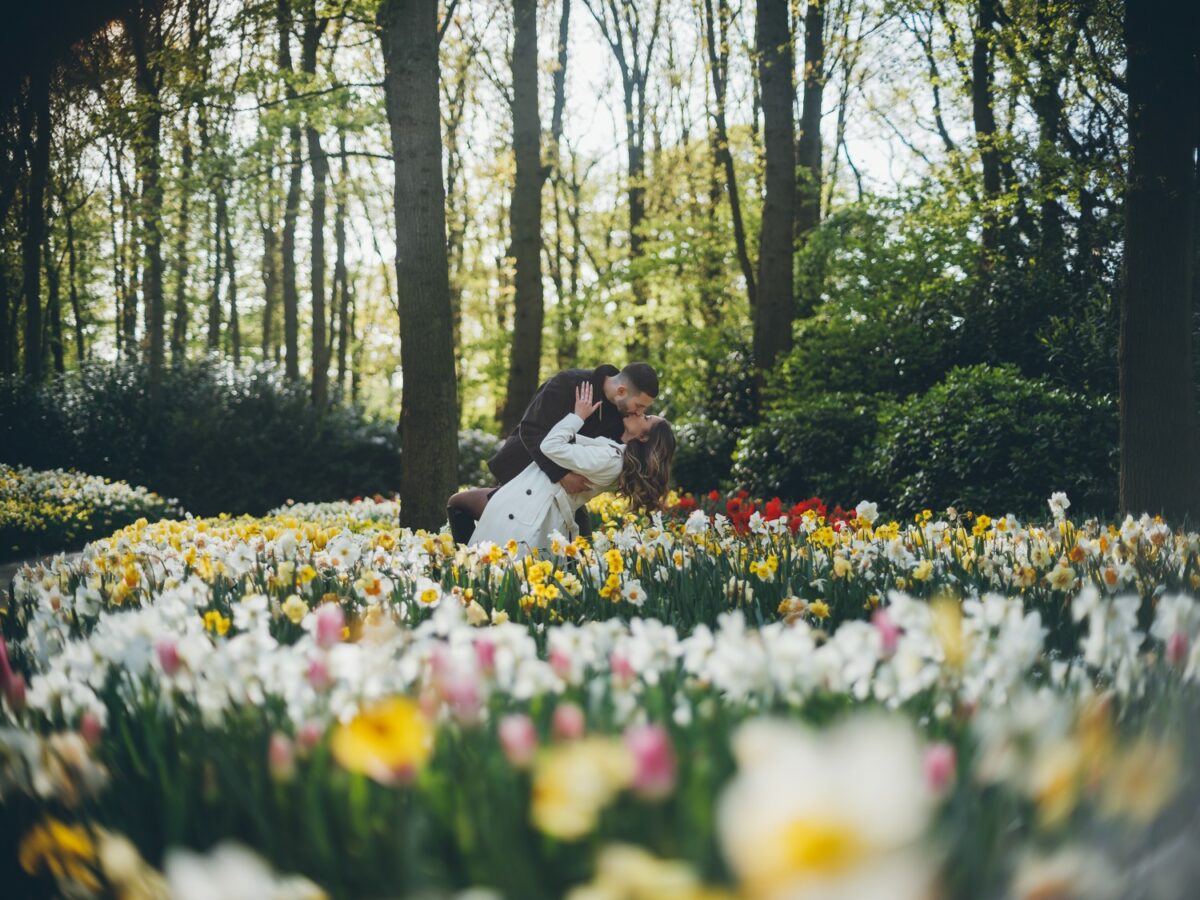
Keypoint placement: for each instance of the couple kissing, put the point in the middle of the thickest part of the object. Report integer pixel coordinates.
(584, 432)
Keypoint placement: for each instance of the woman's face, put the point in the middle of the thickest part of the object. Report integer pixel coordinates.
(637, 427)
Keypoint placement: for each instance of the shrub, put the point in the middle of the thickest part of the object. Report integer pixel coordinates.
(989, 438)
(703, 455)
(818, 447)
(475, 448)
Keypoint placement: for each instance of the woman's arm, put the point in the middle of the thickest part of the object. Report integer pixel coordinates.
(596, 462)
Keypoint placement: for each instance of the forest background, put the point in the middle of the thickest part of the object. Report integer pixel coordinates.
(874, 247)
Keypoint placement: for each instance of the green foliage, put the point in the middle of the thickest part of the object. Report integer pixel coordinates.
(820, 446)
(219, 439)
(475, 448)
(990, 438)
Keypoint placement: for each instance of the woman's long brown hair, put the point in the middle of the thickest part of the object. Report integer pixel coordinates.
(646, 469)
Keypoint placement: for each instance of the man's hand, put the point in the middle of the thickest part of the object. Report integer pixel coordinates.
(574, 483)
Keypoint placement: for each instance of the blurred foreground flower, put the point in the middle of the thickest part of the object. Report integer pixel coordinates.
(574, 781)
(389, 741)
(65, 851)
(831, 814)
(231, 872)
(625, 872)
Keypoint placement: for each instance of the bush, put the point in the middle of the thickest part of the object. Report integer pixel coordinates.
(991, 439)
(475, 448)
(218, 438)
(703, 455)
(819, 447)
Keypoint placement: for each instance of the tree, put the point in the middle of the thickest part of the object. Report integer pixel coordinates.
(35, 219)
(774, 310)
(526, 216)
(428, 410)
(631, 34)
(314, 28)
(145, 27)
(291, 299)
(808, 147)
(1160, 442)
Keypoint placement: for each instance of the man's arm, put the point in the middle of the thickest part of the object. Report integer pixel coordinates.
(548, 407)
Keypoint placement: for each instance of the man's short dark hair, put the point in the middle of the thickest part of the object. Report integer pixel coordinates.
(642, 376)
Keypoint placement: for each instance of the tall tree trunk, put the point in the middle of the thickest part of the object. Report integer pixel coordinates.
(1159, 439)
(214, 295)
(35, 220)
(291, 298)
(526, 216)
(145, 30)
(428, 411)
(984, 118)
(808, 148)
(314, 27)
(716, 41)
(73, 290)
(270, 274)
(54, 307)
(341, 277)
(235, 331)
(9, 176)
(182, 260)
(775, 309)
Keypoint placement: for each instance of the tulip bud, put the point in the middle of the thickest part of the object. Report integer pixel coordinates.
(941, 762)
(518, 739)
(168, 656)
(309, 736)
(568, 722)
(90, 728)
(485, 654)
(1177, 648)
(281, 757)
(889, 631)
(318, 674)
(654, 760)
(15, 692)
(330, 622)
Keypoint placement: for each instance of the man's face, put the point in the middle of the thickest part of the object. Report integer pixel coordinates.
(632, 404)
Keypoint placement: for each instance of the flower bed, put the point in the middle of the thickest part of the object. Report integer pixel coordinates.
(43, 512)
(785, 706)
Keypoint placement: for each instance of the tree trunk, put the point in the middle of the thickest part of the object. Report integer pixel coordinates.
(774, 311)
(526, 217)
(1159, 439)
(73, 290)
(35, 221)
(716, 40)
(9, 176)
(235, 332)
(341, 277)
(314, 27)
(145, 30)
(54, 308)
(214, 296)
(270, 275)
(291, 298)
(984, 118)
(428, 413)
(182, 261)
(808, 148)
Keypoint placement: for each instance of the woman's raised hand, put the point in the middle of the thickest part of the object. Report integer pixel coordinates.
(584, 406)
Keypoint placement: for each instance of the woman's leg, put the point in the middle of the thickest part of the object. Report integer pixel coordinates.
(463, 510)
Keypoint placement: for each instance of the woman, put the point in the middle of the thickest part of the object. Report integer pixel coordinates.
(531, 507)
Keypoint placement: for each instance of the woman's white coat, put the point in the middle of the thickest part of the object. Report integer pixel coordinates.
(531, 507)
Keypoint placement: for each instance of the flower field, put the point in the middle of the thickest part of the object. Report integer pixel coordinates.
(731, 700)
(45, 511)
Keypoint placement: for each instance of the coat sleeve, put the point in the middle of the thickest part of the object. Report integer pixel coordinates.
(596, 462)
(556, 398)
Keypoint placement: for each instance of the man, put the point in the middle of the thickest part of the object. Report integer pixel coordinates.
(629, 391)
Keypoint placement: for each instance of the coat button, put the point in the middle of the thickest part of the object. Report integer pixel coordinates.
(510, 515)
(528, 490)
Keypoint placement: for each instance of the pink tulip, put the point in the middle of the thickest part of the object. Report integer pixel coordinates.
(654, 760)
(281, 757)
(15, 692)
(330, 622)
(568, 723)
(560, 663)
(622, 671)
(889, 631)
(168, 656)
(318, 674)
(941, 762)
(309, 736)
(90, 728)
(1177, 648)
(464, 697)
(485, 654)
(518, 739)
